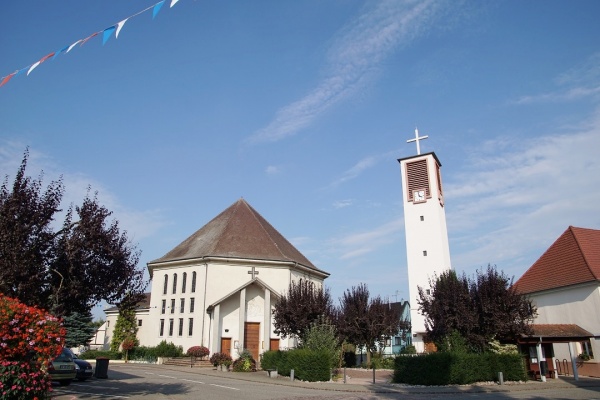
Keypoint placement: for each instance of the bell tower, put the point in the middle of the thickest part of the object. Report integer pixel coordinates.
(427, 249)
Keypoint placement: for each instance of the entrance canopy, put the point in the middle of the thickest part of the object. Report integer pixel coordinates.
(555, 333)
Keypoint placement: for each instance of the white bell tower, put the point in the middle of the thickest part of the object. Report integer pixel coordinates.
(427, 249)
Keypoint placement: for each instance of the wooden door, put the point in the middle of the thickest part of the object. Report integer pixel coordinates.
(274, 344)
(252, 338)
(226, 345)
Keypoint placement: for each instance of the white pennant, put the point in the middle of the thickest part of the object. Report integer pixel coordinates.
(173, 2)
(119, 26)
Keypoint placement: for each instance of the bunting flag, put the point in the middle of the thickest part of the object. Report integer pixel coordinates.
(106, 34)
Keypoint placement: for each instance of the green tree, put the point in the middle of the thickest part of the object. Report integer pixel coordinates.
(125, 329)
(80, 329)
(303, 304)
(322, 336)
(68, 270)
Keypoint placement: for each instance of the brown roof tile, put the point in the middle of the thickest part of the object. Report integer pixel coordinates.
(238, 232)
(572, 259)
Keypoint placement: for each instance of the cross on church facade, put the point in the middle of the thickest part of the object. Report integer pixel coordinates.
(416, 139)
(254, 272)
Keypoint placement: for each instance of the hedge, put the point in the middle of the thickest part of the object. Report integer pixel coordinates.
(457, 368)
(308, 365)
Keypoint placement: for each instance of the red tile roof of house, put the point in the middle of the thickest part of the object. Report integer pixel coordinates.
(574, 258)
(238, 232)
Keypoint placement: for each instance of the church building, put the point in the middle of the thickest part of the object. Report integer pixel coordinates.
(219, 286)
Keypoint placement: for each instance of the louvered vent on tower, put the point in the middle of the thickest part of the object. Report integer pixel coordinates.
(417, 177)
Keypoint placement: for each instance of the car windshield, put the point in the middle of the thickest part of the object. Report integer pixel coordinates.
(64, 356)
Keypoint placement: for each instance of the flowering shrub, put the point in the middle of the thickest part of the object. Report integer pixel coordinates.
(245, 363)
(30, 339)
(220, 359)
(198, 351)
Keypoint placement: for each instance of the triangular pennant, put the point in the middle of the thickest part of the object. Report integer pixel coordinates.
(33, 66)
(7, 78)
(173, 2)
(157, 8)
(73, 45)
(106, 34)
(119, 27)
(60, 51)
(88, 38)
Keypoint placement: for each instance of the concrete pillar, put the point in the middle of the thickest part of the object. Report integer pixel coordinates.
(242, 320)
(267, 321)
(573, 361)
(538, 349)
(216, 329)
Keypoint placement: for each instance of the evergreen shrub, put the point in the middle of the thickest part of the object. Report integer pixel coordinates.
(165, 349)
(93, 354)
(457, 368)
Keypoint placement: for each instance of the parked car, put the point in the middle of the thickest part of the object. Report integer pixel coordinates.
(83, 368)
(62, 368)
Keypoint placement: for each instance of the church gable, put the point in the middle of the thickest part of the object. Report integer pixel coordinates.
(238, 232)
(574, 258)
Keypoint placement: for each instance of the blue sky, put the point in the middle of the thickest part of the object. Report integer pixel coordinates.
(303, 109)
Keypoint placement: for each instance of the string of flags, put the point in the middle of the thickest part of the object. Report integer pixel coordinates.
(105, 33)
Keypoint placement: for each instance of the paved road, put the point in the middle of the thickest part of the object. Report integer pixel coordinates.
(151, 382)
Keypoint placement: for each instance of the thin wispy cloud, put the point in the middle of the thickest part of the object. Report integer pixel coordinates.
(343, 203)
(353, 60)
(361, 243)
(362, 165)
(580, 82)
(273, 170)
(513, 202)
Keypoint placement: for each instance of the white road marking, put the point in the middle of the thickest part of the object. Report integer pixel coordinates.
(189, 380)
(224, 387)
(93, 394)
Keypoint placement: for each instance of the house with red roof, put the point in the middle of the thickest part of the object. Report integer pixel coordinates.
(219, 286)
(564, 284)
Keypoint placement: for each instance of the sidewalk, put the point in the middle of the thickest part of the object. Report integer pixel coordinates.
(362, 382)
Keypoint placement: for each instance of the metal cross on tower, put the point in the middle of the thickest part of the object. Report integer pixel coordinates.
(254, 272)
(416, 139)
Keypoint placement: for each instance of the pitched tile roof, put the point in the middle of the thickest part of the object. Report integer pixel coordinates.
(143, 303)
(238, 232)
(572, 259)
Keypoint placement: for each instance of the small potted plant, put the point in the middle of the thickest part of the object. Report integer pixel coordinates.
(221, 361)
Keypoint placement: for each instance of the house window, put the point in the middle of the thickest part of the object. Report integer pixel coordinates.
(172, 306)
(163, 307)
(183, 282)
(586, 350)
(174, 283)
(139, 322)
(194, 282)
(397, 341)
(165, 284)
(171, 327)
(161, 330)
(181, 305)
(180, 330)
(422, 218)
(424, 253)
(190, 326)
(192, 304)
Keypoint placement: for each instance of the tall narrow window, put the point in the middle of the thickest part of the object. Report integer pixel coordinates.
(166, 284)
(172, 306)
(174, 283)
(183, 282)
(182, 305)
(163, 307)
(180, 330)
(192, 304)
(171, 327)
(161, 330)
(190, 326)
(194, 282)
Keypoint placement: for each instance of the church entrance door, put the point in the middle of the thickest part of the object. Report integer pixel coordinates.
(226, 345)
(251, 338)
